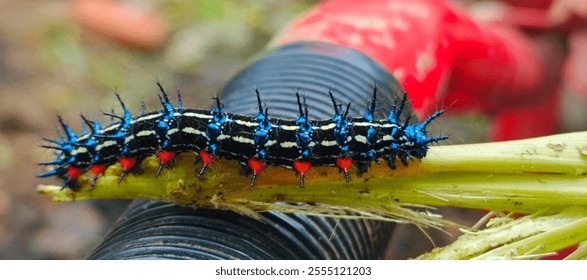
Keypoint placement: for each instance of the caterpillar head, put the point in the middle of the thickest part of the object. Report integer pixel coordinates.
(415, 142)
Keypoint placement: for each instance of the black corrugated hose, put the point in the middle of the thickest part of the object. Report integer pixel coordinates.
(154, 230)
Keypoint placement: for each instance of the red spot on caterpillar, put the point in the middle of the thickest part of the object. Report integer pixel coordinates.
(73, 172)
(127, 163)
(165, 156)
(98, 169)
(256, 165)
(302, 166)
(206, 158)
(344, 163)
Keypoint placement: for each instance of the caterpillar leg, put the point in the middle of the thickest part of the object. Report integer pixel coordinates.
(344, 164)
(207, 159)
(129, 165)
(165, 160)
(302, 167)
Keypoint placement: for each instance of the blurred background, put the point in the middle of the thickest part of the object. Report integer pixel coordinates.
(55, 60)
(59, 57)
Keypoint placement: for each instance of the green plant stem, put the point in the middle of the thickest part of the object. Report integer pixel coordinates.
(556, 154)
(529, 237)
(541, 174)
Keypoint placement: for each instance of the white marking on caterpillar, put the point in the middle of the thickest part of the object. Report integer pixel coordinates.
(328, 143)
(146, 133)
(79, 150)
(288, 145)
(197, 115)
(387, 138)
(327, 127)
(270, 143)
(146, 118)
(191, 130)
(361, 139)
(110, 128)
(243, 140)
(246, 123)
(223, 136)
(365, 124)
(290, 127)
(106, 144)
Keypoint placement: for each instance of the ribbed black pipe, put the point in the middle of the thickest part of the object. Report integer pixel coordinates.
(153, 230)
(311, 68)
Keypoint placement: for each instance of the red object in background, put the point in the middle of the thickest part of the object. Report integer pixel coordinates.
(441, 55)
(124, 23)
(561, 254)
(575, 68)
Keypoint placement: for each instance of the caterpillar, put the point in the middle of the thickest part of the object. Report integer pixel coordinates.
(255, 142)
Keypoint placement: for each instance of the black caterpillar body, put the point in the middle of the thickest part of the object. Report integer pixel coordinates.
(255, 142)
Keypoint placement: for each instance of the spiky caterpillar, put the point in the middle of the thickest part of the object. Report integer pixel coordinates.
(255, 142)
